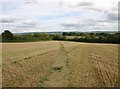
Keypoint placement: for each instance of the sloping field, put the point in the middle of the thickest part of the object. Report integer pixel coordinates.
(59, 64)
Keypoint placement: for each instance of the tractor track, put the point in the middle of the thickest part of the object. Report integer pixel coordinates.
(60, 72)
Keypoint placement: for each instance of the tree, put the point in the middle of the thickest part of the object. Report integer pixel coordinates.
(7, 35)
(44, 36)
(65, 33)
(36, 34)
(59, 37)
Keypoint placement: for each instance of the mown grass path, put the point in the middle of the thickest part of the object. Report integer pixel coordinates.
(60, 72)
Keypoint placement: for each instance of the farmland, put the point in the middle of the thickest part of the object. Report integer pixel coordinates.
(59, 64)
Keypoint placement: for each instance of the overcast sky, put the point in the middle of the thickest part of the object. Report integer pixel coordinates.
(58, 15)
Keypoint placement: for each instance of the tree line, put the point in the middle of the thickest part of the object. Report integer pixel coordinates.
(101, 37)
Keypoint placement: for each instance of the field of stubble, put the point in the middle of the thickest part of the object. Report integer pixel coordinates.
(59, 64)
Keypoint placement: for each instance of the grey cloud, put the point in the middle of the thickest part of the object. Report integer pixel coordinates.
(85, 4)
(94, 9)
(89, 6)
(96, 20)
(86, 24)
(70, 25)
(8, 19)
(30, 23)
(25, 26)
(112, 16)
(78, 25)
(114, 9)
(30, 1)
(106, 11)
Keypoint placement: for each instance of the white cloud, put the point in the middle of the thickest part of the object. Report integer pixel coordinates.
(59, 15)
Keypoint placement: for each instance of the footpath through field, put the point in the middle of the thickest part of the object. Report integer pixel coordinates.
(60, 71)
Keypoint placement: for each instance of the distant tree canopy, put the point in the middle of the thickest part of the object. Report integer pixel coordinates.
(73, 33)
(42, 36)
(7, 36)
(32, 37)
(101, 37)
(59, 37)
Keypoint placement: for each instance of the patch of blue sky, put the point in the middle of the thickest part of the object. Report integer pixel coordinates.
(6, 6)
(52, 17)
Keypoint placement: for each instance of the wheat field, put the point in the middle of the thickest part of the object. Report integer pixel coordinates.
(59, 64)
